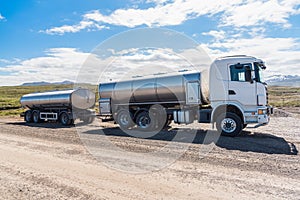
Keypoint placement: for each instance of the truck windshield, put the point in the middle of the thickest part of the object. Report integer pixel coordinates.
(259, 67)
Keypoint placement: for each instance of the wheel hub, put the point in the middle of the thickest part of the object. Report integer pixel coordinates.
(65, 119)
(144, 122)
(228, 125)
(124, 120)
(28, 116)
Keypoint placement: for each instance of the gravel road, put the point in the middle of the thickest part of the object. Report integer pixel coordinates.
(48, 161)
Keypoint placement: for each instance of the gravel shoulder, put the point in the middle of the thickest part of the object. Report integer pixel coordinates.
(48, 161)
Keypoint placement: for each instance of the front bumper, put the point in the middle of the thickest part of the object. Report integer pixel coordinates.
(263, 116)
(263, 119)
(260, 116)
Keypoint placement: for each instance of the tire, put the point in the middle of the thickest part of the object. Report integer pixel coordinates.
(124, 119)
(35, 116)
(145, 122)
(65, 119)
(158, 116)
(91, 119)
(28, 116)
(229, 124)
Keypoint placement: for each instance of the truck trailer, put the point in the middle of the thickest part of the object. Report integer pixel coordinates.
(63, 106)
(234, 97)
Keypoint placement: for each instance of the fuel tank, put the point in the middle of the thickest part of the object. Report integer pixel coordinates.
(76, 98)
(157, 90)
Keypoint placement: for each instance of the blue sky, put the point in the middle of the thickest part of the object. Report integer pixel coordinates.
(48, 40)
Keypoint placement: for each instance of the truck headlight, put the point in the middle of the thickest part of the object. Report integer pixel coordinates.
(262, 111)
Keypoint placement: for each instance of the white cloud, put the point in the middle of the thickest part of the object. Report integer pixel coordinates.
(218, 35)
(57, 65)
(5, 61)
(13, 61)
(76, 28)
(126, 63)
(174, 13)
(255, 13)
(281, 54)
(1, 17)
(158, 1)
(237, 13)
(61, 64)
(70, 64)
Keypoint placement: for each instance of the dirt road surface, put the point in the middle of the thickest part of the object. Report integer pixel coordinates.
(48, 161)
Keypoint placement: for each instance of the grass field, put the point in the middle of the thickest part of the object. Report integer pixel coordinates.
(10, 96)
(284, 96)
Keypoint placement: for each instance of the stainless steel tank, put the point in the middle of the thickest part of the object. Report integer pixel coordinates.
(77, 98)
(158, 89)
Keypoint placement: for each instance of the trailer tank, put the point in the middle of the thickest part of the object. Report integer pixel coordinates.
(170, 89)
(76, 98)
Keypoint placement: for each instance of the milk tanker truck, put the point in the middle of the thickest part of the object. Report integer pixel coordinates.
(234, 97)
(63, 106)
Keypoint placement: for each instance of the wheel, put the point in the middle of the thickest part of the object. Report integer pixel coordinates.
(124, 119)
(145, 122)
(91, 119)
(65, 119)
(36, 116)
(28, 116)
(229, 124)
(158, 116)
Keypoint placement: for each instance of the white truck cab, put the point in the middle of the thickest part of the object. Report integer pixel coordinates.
(236, 84)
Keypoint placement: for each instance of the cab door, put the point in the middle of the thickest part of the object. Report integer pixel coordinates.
(242, 88)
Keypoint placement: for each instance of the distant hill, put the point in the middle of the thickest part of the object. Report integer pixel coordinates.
(284, 80)
(47, 83)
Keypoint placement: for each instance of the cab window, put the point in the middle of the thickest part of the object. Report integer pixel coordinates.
(241, 72)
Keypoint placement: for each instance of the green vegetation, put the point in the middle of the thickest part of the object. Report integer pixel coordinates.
(284, 96)
(10, 96)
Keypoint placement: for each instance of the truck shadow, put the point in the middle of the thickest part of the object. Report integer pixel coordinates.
(247, 142)
(47, 125)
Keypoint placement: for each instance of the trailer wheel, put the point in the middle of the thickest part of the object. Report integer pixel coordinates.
(65, 119)
(28, 116)
(159, 117)
(124, 119)
(35, 116)
(229, 124)
(145, 122)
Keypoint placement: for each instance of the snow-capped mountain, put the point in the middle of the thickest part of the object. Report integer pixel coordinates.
(284, 80)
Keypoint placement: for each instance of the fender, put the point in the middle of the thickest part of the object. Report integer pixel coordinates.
(220, 105)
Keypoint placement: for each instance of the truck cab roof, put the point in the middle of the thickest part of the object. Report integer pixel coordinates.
(237, 58)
